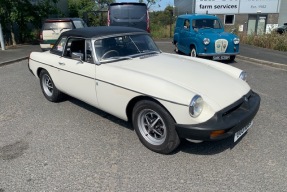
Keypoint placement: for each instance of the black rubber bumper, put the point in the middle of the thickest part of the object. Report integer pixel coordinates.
(231, 119)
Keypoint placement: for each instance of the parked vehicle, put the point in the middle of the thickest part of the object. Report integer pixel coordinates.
(281, 29)
(52, 28)
(120, 70)
(129, 15)
(204, 36)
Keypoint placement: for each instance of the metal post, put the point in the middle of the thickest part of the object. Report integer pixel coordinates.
(1, 38)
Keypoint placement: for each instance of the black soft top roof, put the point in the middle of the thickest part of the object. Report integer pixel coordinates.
(90, 32)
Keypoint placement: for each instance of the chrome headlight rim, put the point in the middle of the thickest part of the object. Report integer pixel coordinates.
(196, 106)
(236, 40)
(243, 76)
(206, 41)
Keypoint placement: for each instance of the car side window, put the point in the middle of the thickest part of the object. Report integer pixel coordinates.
(59, 47)
(89, 52)
(186, 24)
(75, 49)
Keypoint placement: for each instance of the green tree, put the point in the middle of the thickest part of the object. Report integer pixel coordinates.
(150, 3)
(93, 11)
(162, 23)
(20, 13)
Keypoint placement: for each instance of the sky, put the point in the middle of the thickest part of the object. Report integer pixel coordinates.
(163, 4)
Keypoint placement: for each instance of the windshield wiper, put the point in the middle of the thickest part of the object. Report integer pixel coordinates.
(124, 57)
(149, 51)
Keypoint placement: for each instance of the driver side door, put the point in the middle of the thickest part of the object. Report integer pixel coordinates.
(77, 71)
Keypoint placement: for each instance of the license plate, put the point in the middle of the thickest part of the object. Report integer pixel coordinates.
(224, 57)
(239, 133)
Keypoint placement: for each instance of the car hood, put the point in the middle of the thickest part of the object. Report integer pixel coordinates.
(213, 34)
(178, 78)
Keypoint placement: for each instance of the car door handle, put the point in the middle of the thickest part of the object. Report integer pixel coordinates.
(61, 63)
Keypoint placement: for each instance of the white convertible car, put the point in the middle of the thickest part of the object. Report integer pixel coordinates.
(167, 97)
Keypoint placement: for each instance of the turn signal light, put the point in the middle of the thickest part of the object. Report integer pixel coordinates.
(214, 134)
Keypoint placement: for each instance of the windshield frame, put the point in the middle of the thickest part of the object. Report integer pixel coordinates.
(123, 57)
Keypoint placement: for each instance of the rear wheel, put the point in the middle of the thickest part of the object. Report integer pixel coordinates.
(155, 127)
(48, 88)
(232, 58)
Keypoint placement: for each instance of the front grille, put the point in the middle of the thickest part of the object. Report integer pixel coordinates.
(241, 104)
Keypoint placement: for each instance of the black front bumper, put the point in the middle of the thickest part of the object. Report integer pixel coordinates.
(231, 119)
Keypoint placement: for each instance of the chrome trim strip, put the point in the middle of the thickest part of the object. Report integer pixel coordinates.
(115, 85)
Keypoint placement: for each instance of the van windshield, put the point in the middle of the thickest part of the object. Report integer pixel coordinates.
(206, 23)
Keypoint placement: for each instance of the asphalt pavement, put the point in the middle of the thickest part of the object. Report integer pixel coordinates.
(250, 53)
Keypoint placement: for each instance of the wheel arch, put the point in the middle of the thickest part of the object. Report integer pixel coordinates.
(193, 45)
(135, 100)
(39, 71)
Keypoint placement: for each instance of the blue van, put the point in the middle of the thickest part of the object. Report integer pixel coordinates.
(204, 36)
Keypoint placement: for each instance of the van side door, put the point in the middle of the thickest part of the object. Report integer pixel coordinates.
(185, 36)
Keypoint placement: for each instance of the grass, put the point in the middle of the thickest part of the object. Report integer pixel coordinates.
(271, 41)
(161, 32)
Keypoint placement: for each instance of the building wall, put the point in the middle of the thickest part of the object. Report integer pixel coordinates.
(244, 19)
(282, 12)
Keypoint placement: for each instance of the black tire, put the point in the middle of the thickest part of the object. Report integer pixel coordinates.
(162, 136)
(176, 47)
(48, 87)
(232, 58)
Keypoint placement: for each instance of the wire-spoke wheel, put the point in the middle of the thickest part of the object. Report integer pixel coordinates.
(155, 127)
(152, 127)
(48, 87)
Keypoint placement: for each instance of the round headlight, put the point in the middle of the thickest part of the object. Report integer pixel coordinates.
(236, 40)
(206, 41)
(243, 76)
(196, 106)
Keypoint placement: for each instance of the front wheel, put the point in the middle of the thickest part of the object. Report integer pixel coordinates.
(193, 52)
(48, 88)
(155, 127)
(176, 47)
(232, 58)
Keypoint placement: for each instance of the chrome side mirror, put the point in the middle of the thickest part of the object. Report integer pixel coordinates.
(78, 56)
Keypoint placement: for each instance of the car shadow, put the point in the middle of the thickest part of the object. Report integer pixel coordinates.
(100, 112)
(204, 148)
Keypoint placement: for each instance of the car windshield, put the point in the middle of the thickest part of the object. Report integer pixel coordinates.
(206, 24)
(283, 27)
(124, 47)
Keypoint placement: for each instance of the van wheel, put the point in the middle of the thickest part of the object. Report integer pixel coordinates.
(193, 52)
(232, 58)
(176, 47)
